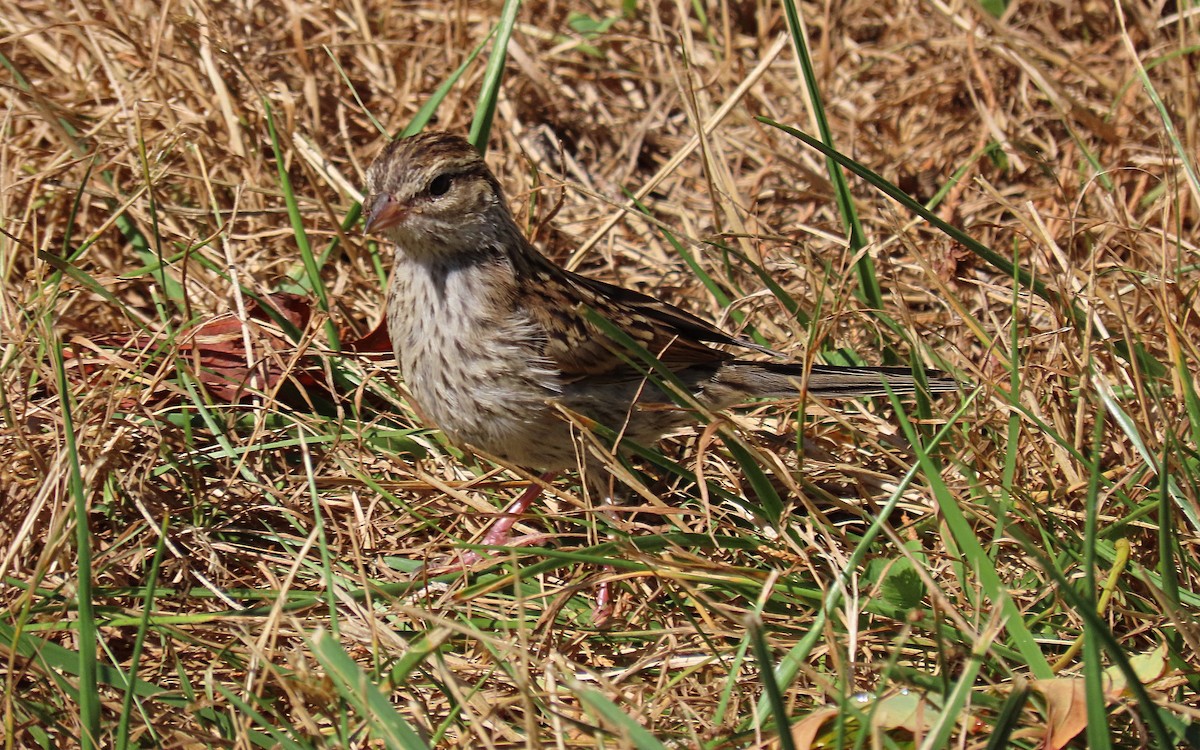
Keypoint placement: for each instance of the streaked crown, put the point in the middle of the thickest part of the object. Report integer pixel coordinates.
(429, 188)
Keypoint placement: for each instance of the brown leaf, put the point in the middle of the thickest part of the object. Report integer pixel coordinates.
(1066, 709)
(216, 349)
(377, 341)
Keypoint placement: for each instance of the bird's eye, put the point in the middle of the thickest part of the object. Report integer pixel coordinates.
(439, 186)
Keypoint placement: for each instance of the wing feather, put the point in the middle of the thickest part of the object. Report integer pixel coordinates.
(559, 301)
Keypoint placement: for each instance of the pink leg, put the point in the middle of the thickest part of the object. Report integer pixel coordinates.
(500, 531)
(604, 605)
(499, 534)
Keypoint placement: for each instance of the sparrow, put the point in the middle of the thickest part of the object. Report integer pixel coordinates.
(498, 345)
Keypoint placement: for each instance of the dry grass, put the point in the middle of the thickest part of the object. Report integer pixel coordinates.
(139, 192)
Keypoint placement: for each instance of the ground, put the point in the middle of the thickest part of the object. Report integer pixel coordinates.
(260, 495)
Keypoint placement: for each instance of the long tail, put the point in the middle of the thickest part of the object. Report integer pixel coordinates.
(781, 380)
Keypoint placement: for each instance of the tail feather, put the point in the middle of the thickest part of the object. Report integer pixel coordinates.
(783, 380)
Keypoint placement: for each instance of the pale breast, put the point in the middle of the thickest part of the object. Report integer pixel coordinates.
(476, 370)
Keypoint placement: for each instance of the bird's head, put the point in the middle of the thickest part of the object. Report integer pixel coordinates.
(432, 193)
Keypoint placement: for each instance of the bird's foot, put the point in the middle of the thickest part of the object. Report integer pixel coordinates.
(499, 534)
(605, 612)
(464, 560)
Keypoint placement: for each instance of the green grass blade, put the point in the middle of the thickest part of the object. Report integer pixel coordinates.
(1164, 726)
(312, 268)
(773, 693)
(364, 695)
(89, 696)
(429, 108)
(1182, 153)
(958, 701)
(788, 667)
(331, 586)
(122, 738)
(271, 736)
(970, 547)
(1129, 428)
(485, 108)
(611, 714)
(1008, 720)
(868, 282)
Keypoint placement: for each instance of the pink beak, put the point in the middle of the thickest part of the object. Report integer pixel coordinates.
(385, 213)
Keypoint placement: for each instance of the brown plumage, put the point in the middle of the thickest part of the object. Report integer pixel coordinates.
(491, 335)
